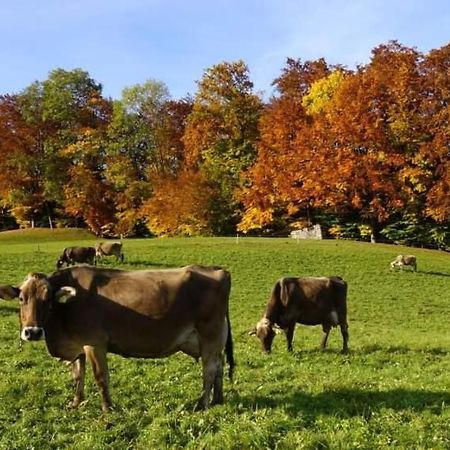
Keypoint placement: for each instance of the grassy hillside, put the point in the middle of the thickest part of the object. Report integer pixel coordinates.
(391, 391)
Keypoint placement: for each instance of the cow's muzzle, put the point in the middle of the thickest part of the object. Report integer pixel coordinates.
(32, 333)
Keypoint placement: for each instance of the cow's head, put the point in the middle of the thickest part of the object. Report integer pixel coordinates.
(264, 331)
(36, 298)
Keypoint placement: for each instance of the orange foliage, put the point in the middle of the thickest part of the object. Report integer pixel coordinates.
(178, 205)
(90, 198)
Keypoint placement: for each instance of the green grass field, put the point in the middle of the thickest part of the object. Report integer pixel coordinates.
(391, 391)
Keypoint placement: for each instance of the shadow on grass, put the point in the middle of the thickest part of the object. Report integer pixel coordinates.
(140, 263)
(347, 403)
(374, 348)
(437, 274)
(400, 350)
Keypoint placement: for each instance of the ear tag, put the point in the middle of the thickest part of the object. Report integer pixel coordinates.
(66, 294)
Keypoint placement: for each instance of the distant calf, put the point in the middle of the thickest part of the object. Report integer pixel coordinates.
(109, 249)
(404, 260)
(309, 301)
(73, 255)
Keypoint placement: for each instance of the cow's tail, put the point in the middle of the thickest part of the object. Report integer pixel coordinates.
(229, 350)
(340, 300)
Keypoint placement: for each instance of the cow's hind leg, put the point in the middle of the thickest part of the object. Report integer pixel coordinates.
(326, 332)
(78, 369)
(218, 384)
(97, 357)
(344, 332)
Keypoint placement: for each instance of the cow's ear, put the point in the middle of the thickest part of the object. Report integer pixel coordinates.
(65, 294)
(9, 292)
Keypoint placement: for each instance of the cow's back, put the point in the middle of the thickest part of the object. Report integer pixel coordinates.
(141, 313)
(310, 299)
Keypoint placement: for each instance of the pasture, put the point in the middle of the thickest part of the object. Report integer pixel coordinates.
(391, 391)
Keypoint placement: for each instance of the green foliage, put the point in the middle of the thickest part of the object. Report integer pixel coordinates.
(221, 135)
(391, 391)
(412, 231)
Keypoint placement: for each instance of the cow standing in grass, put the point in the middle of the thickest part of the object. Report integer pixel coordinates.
(74, 255)
(404, 260)
(85, 312)
(103, 249)
(308, 301)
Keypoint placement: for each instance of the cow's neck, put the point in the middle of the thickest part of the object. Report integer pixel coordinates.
(272, 314)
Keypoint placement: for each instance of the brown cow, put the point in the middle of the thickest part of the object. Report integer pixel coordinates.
(84, 311)
(405, 260)
(73, 255)
(306, 300)
(109, 249)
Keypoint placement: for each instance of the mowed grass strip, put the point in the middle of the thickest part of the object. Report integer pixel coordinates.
(391, 391)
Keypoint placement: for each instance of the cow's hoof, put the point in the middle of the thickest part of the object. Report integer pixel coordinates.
(74, 404)
(200, 406)
(106, 407)
(217, 401)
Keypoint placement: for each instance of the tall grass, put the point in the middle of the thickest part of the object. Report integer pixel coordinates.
(391, 391)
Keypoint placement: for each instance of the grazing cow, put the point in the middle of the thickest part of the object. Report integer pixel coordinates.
(405, 260)
(306, 300)
(109, 249)
(85, 311)
(73, 255)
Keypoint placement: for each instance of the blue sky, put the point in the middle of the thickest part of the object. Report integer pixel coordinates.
(125, 42)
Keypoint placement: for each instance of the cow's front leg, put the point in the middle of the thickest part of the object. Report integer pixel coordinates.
(78, 370)
(97, 357)
(211, 364)
(326, 332)
(289, 333)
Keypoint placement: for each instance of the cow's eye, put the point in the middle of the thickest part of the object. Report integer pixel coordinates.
(22, 300)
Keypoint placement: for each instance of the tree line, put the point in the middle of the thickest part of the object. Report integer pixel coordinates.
(363, 152)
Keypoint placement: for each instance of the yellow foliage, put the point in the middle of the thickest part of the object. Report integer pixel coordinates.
(321, 92)
(255, 218)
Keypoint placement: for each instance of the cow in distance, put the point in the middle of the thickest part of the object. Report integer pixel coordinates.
(103, 249)
(402, 261)
(74, 255)
(85, 312)
(307, 301)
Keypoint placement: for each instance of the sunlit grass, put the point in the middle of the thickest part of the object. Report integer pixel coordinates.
(391, 391)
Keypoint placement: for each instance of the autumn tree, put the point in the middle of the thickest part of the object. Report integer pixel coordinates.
(56, 113)
(20, 189)
(345, 140)
(144, 146)
(374, 123)
(271, 183)
(430, 168)
(220, 137)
